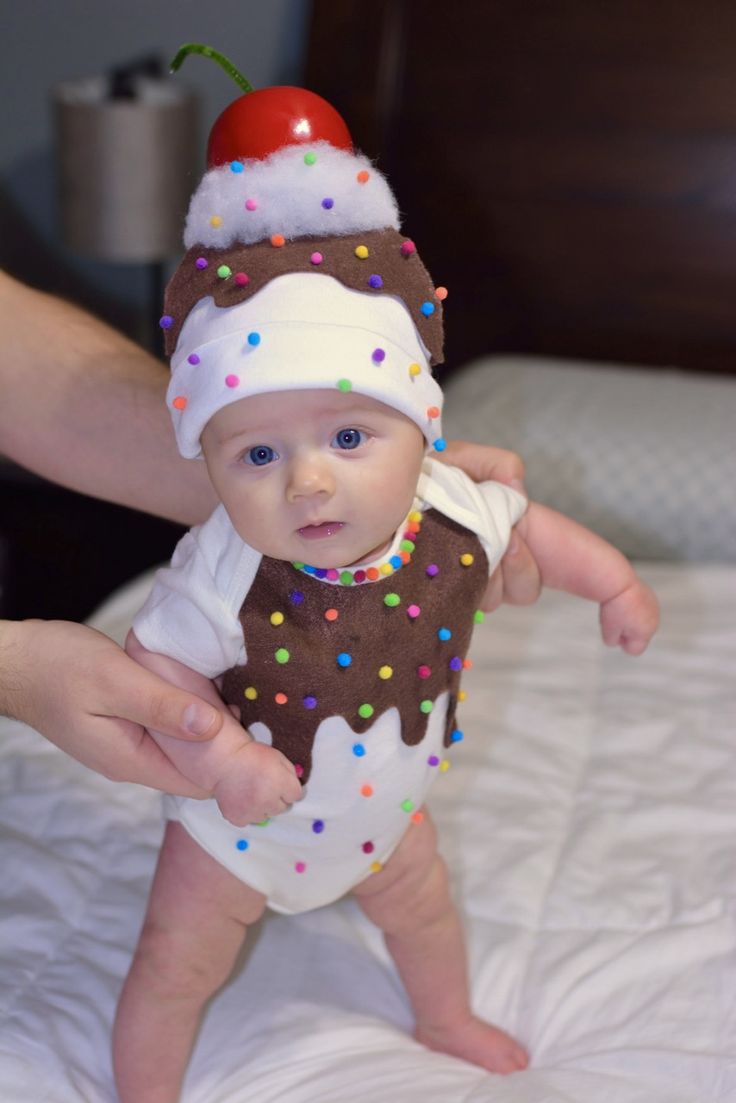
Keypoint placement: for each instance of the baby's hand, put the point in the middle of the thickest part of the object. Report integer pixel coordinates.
(630, 619)
(259, 782)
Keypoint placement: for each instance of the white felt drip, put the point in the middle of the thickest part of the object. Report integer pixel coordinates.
(287, 195)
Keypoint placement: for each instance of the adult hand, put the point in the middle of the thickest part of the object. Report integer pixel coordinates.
(516, 580)
(83, 693)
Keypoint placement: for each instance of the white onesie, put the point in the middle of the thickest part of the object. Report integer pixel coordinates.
(334, 653)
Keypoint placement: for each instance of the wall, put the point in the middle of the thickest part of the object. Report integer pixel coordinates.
(46, 41)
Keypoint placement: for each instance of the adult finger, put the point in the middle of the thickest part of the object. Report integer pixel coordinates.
(139, 695)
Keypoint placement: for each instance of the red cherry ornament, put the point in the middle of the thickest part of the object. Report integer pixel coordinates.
(260, 122)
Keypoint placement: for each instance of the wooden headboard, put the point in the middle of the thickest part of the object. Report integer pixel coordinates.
(567, 167)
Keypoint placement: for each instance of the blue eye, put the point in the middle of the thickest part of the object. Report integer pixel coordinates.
(261, 455)
(348, 438)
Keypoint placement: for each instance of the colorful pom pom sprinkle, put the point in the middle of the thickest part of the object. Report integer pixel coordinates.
(296, 597)
(433, 412)
(276, 619)
(242, 844)
(375, 282)
(346, 578)
(415, 369)
(318, 826)
(368, 848)
(316, 258)
(365, 711)
(441, 293)
(254, 339)
(467, 664)
(242, 278)
(251, 204)
(328, 203)
(457, 736)
(358, 750)
(407, 805)
(236, 166)
(392, 600)
(180, 402)
(417, 817)
(478, 616)
(440, 444)
(467, 559)
(344, 385)
(300, 867)
(232, 380)
(277, 240)
(281, 698)
(444, 633)
(432, 570)
(366, 790)
(407, 248)
(215, 221)
(250, 693)
(166, 321)
(298, 769)
(385, 672)
(424, 671)
(193, 359)
(427, 309)
(378, 356)
(444, 766)
(309, 702)
(461, 695)
(455, 663)
(425, 706)
(201, 263)
(376, 867)
(363, 176)
(310, 158)
(281, 655)
(224, 272)
(413, 611)
(331, 614)
(433, 760)
(344, 660)
(361, 252)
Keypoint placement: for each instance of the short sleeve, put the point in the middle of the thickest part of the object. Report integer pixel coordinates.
(192, 611)
(490, 509)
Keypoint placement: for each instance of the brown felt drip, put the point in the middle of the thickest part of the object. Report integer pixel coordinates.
(374, 634)
(402, 275)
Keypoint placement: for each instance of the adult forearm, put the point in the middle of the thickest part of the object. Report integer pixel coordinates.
(84, 406)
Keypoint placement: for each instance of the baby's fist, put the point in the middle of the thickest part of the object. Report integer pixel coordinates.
(630, 619)
(259, 783)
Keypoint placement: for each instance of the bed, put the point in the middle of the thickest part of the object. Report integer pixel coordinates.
(589, 816)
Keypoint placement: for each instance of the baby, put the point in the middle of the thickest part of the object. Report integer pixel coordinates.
(330, 598)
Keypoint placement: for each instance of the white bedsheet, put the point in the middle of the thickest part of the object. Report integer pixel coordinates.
(589, 820)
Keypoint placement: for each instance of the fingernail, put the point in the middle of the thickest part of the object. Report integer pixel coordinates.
(198, 719)
(517, 484)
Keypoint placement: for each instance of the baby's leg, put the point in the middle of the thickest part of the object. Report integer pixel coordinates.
(409, 900)
(196, 921)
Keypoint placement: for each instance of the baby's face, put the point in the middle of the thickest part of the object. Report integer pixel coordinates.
(317, 477)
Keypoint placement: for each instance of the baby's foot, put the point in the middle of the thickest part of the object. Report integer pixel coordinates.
(478, 1042)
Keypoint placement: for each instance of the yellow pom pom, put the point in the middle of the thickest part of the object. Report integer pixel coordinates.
(414, 369)
(361, 252)
(277, 619)
(215, 221)
(467, 559)
(251, 693)
(385, 672)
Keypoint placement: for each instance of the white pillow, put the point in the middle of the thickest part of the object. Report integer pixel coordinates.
(645, 457)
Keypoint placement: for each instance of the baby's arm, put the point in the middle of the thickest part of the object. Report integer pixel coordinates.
(572, 558)
(249, 780)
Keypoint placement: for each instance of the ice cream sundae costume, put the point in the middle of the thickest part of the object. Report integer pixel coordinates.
(296, 277)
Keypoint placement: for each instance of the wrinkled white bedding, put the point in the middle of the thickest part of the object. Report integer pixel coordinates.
(589, 821)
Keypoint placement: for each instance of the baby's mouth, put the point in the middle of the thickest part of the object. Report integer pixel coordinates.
(321, 531)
